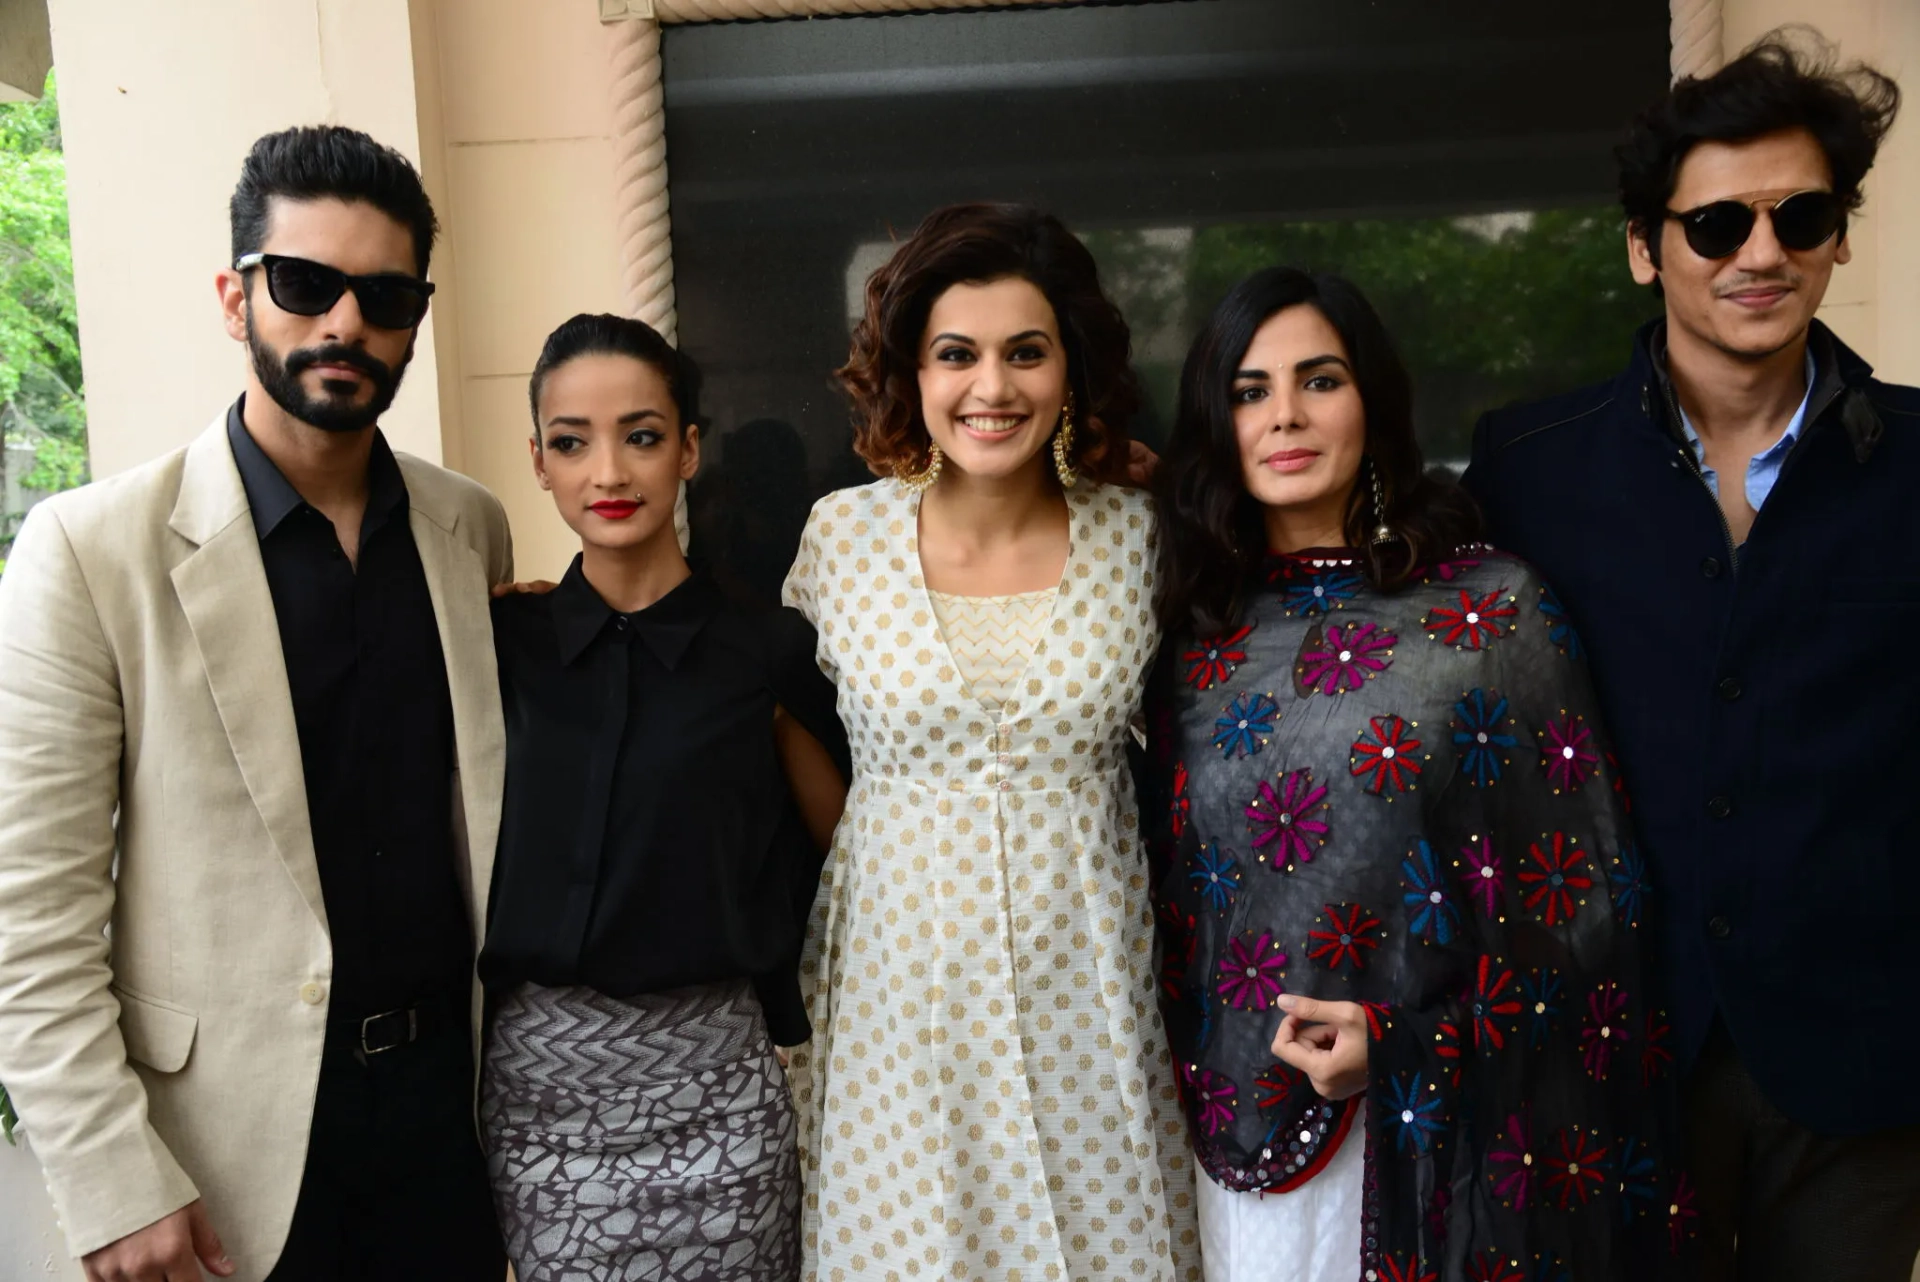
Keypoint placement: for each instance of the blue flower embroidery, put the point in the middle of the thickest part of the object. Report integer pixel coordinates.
(1547, 1268)
(1415, 1112)
(1239, 731)
(1479, 735)
(1430, 907)
(1217, 877)
(1541, 994)
(1560, 628)
(1319, 592)
(1628, 873)
(1639, 1178)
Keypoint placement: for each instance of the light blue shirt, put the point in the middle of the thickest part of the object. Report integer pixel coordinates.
(1763, 469)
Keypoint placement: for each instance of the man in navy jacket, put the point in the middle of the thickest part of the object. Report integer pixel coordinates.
(1734, 525)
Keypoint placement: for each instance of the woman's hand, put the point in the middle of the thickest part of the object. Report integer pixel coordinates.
(539, 587)
(1327, 1041)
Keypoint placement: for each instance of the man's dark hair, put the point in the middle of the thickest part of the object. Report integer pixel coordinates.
(1788, 79)
(314, 162)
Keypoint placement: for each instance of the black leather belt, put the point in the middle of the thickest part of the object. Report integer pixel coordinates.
(390, 1030)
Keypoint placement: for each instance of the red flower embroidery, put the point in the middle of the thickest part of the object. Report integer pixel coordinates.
(1474, 623)
(1213, 660)
(1576, 1168)
(1496, 1002)
(1182, 804)
(1384, 756)
(1490, 1266)
(1344, 930)
(1555, 878)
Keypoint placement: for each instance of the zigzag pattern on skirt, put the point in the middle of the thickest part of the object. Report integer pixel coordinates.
(650, 1139)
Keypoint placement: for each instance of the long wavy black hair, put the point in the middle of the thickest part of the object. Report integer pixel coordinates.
(1213, 534)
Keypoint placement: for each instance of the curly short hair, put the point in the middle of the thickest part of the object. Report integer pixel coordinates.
(970, 244)
(1788, 79)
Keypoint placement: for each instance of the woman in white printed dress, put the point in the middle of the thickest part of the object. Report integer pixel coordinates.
(987, 1093)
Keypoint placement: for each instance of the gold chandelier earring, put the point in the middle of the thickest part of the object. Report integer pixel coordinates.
(1063, 447)
(922, 481)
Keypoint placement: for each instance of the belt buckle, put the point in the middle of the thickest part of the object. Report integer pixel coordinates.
(413, 1031)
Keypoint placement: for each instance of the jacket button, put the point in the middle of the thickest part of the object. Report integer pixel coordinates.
(1711, 567)
(1729, 689)
(1719, 807)
(1719, 927)
(313, 994)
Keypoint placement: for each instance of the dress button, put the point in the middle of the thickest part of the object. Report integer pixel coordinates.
(619, 623)
(1719, 807)
(313, 994)
(1006, 758)
(1729, 689)
(1719, 927)
(1005, 786)
(1711, 567)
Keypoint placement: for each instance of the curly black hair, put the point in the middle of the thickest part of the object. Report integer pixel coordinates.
(1788, 79)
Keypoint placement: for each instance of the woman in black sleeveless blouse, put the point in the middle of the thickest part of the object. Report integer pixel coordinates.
(675, 766)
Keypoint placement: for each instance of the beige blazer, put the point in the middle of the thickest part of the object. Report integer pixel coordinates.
(164, 958)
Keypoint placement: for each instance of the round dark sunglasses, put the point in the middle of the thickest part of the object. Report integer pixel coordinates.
(306, 288)
(1802, 221)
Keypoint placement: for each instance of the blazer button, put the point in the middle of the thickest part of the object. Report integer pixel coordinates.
(1719, 807)
(1711, 567)
(313, 994)
(1719, 927)
(1729, 689)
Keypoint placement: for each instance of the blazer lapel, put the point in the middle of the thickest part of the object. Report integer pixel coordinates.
(457, 581)
(222, 588)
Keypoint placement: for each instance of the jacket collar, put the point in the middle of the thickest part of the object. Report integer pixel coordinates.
(668, 626)
(1840, 380)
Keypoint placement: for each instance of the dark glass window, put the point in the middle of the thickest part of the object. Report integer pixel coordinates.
(1452, 156)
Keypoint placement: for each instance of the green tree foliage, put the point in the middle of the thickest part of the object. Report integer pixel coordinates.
(40, 383)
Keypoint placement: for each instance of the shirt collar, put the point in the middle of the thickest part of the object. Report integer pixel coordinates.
(668, 626)
(271, 497)
(1795, 425)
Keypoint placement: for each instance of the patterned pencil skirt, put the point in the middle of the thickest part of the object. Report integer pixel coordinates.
(649, 1138)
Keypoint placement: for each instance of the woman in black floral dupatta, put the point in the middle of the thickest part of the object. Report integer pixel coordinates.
(1392, 859)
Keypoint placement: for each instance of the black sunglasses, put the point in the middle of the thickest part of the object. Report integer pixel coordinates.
(1802, 221)
(305, 288)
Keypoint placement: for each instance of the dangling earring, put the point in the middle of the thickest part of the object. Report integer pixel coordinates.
(1382, 532)
(922, 481)
(1063, 447)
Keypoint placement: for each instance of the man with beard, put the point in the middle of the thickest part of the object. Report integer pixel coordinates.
(250, 778)
(1734, 527)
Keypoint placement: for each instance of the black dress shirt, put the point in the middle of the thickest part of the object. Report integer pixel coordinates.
(375, 719)
(649, 839)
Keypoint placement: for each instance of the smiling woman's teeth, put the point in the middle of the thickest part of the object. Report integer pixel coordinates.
(996, 425)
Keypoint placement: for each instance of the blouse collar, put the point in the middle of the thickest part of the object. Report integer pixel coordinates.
(668, 626)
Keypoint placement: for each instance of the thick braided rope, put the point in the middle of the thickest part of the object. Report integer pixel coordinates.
(640, 174)
(640, 189)
(1696, 31)
(723, 10)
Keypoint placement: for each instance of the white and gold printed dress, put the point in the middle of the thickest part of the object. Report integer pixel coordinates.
(987, 1094)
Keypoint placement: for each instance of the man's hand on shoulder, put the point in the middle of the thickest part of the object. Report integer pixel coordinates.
(168, 1250)
(537, 587)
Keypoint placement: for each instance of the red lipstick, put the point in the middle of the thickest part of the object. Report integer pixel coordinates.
(614, 509)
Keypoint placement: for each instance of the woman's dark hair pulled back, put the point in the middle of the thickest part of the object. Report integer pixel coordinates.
(604, 334)
(1213, 536)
